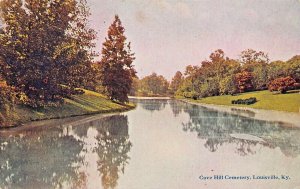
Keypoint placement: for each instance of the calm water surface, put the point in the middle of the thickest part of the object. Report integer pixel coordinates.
(162, 144)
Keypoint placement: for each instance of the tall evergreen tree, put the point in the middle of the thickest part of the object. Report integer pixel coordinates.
(116, 69)
(45, 47)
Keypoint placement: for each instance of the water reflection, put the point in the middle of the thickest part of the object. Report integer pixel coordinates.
(171, 140)
(151, 104)
(25, 156)
(176, 109)
(215, 127)
(56, 157)
(112, 149)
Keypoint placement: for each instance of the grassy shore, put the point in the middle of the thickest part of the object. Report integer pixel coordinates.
(289, 102)
(88, 103)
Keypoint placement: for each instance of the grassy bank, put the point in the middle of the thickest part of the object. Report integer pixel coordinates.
(88, 103)
(289, 102)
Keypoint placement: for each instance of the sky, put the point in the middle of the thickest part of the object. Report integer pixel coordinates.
(168, 35)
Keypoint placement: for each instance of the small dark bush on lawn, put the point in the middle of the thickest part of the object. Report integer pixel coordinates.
(247, 101)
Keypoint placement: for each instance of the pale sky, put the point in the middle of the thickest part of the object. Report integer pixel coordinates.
(168, 35)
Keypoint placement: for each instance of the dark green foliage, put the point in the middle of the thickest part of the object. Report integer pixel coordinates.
(247, 101)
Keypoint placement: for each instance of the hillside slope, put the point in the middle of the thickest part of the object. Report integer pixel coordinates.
(88, 103)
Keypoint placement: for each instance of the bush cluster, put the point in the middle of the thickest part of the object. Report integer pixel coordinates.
(193, 94)
(247, 101)
(282, 84)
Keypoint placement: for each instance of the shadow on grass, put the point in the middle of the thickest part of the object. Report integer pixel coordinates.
(288, 92)
(293, 91)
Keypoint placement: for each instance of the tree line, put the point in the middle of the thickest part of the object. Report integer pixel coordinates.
(156, 85)
(151, 85)
(46, 54)
(221, 75)
(253, 71)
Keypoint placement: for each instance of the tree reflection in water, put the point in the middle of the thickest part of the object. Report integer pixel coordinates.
(177, 107)
(113, 147)
(53, 157)
(40, 158)
(216, 126)
(151, 104)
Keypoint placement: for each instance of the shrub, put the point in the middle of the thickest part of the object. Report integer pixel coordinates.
(282, 84)
(247, 101)
(193, 94)
(244, 81)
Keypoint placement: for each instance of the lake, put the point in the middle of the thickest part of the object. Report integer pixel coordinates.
(162, 144)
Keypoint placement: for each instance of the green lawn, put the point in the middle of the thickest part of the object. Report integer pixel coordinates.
(88, 103)
(289, 102)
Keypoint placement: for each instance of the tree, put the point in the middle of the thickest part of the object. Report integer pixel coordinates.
(251, 58)
(176, 81)
(192, 77)
(256, 62)
(244, 81)
(154, 85)
(294, 67)
(213, 72)
(277, 69)
(45, 48)
(213, 77)
(282, 84)
(227, 85)
(209, 88)
(186, 89)
(116, 69)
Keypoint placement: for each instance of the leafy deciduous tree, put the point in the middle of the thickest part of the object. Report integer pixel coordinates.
(294, 67)
(277, 69)
(154, 85)
(176, 81)
(256, 62)
(45, 48)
